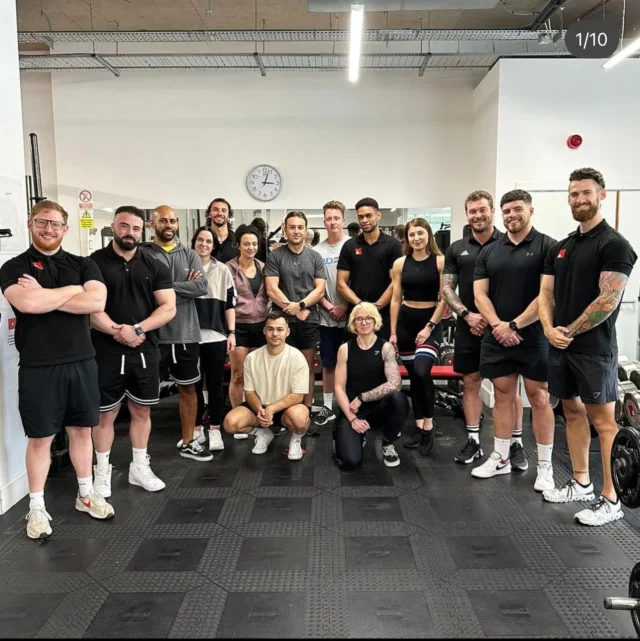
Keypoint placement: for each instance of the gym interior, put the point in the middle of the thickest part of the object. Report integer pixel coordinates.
(176, 103)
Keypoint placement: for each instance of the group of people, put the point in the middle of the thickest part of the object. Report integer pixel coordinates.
(93, 332)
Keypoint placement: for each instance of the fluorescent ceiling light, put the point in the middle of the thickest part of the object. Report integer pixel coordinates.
(357, 20)
(393, 209)
(629, 50)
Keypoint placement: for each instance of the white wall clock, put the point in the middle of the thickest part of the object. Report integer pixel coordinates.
(264, 183)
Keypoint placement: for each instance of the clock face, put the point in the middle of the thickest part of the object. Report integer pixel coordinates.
(264, 183)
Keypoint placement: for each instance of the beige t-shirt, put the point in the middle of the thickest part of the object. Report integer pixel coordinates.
(273, 377)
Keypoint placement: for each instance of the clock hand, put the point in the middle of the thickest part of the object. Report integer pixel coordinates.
(263, 184)
(265, 179)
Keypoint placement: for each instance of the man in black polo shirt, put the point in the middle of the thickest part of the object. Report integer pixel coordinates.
(365, 264)
(459, 267)
(52, 294)
(585, 277)
(219, 215)
(140, 298)
(506, 286)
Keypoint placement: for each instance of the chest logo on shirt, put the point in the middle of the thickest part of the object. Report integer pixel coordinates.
(464, 253)
(358, 251)
(531, 254)
(561, 253)
(38, 265)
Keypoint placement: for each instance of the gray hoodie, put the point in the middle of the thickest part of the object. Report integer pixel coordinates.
(185, 327)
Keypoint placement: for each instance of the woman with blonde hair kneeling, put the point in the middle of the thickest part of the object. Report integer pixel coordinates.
(367, 389)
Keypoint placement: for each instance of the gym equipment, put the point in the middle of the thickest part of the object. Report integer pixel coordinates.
(629, 371)
(446, 355)
(630, 603)
(632, 407)
(624, 387)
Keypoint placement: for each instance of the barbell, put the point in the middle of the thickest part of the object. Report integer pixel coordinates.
(630, 603)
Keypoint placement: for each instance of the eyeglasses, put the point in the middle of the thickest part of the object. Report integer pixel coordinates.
(361, 320)
(42, 223)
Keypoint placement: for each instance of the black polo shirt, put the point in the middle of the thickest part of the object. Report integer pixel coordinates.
(576, 264)
(514, 273)
(369, 266)
(130, 299)
(55, 337)
(226, 251)
(460, 261)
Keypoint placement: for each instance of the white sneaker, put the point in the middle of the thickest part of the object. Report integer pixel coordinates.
(240, 437)
(493, 466)
(295, 449)
(570, 491)
(38, 523)
(215, 441)
(390, 456)
(102, 480)
(143, 476)
(263, 438)
(198, 435)
(600, 512)
(544, 480)
(95, 505)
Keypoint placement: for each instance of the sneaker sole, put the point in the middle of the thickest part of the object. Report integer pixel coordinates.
(617, 517)
(294, 458)
(393, 464)
(194, 457)
(137, 484)
(504, 470)
(93, 516)
(541, 490)
(217, 448)
(41, 536)
(326, 420)
(410, 446)
(470, 460)
(241, 437)
(580, 499)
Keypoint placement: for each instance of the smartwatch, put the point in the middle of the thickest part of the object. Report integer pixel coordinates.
(302, 304)
(464, 313)
(359, 397)
(514, 326)
(139, 330)
(431, 325)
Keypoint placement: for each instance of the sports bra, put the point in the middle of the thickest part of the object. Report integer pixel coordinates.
(420, 279)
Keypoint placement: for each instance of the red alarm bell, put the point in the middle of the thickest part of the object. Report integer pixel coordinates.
(574, 141)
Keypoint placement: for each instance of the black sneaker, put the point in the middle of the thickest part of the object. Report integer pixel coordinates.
(518, 457)
(469, 453)
(390, 456)
(413, 441)
(195, 451)
(427, 442)
(324, 416)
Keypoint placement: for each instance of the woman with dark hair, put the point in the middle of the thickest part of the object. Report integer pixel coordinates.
(261, 226)
(417, 306)
(217, 318)
(251, 307)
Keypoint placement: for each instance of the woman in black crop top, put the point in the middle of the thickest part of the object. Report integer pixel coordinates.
(367, 389)
(416, 309)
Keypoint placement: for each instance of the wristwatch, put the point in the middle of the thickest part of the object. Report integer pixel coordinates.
(139, 330)
(231, 331)
(431, 325)
(464, 313)
(302, 304)
(514, 326)
(359, 397)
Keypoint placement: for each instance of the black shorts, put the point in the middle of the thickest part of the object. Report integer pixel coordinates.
(497, 361)
(466, 355)
(593, 378)
(304, 335)
(330, 340)
(277, 417)
(411, 320)
(250, 335)
(181, 361)
(134, 375)
(53, 397)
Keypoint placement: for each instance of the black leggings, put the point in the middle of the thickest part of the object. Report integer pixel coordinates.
(212, 357)
(391, 412)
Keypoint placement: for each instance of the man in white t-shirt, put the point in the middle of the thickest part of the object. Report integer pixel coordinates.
(333, 308)
(276, 378)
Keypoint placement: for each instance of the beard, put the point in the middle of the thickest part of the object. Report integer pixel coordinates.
(126, 243)
(481, 225)
(166, 234)
(46, 245)
(584, 215)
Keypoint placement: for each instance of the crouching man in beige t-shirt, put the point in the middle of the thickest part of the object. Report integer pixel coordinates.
(276, 378)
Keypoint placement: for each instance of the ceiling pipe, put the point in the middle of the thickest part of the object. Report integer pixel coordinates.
(546, 13)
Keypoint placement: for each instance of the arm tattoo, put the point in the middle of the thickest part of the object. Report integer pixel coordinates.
(391, 371)
(449, 284)
(612, 286)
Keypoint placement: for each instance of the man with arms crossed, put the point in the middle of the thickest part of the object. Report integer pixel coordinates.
(140, 299)
(584, 279)
(506, 287)
(276, 379)
(333, 308)
(52, 294)
(459, 266)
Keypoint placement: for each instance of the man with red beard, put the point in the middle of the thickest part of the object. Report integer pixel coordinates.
(53, 294)
(584, 279)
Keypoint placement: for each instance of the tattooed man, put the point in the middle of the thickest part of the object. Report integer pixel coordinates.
(584, 279)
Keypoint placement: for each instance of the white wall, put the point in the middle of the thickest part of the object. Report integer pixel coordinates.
(181, 139)
(13, 485)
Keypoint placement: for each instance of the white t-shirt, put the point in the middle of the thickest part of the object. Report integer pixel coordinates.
(273, 377)
(330, 255)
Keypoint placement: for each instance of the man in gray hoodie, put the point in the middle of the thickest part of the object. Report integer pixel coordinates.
(179, 339)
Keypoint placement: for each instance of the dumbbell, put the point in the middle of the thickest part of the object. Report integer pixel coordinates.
(624, 387)
(629, 371)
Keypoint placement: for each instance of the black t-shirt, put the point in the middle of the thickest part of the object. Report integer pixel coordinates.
(55, 337)
(130, 299)
(226, 251)
(576, 264)
(460, 261)
(369, 266)
(514, 273)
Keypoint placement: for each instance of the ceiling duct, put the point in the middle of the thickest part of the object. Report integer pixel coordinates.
(340, 6)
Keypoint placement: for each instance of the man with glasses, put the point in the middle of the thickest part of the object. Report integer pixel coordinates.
(365, 264)
(52, 294)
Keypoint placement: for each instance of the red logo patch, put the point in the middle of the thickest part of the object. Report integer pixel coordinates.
(12, 323)
(39, 265)
(358, 251)
(562, 253)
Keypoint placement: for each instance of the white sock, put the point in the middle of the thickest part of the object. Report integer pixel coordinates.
(544, 453)
(516, 436)
(102, 459)
(502, 445)
(296, 437)
(36, 499)
(328, 400)
(139, 456)
(474, 432)
(85, 486)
